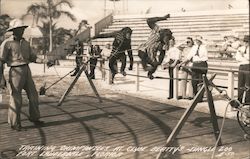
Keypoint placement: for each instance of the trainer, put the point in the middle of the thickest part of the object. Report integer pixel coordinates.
(17, 54)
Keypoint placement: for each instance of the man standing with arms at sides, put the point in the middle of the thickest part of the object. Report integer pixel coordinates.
(17, 54)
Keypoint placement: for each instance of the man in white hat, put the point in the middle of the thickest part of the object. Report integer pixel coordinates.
(199, 57)
(17, 54)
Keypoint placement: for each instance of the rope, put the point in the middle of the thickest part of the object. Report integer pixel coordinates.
(222, 126)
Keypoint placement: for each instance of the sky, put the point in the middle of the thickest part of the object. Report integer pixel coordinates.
(93, 10)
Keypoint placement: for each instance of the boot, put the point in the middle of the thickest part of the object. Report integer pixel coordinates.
(123, 73)
(130, 67)
(112, 78)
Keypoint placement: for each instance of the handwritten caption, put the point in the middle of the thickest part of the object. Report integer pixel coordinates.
(109, 151)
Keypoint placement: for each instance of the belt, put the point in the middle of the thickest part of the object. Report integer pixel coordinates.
(20, 65)
(199, 61)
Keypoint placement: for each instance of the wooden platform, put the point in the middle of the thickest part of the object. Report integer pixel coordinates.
(119, 121)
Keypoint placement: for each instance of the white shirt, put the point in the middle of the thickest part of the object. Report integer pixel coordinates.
(202, 53)
(173, 53)
(106, 52)
(242, 55)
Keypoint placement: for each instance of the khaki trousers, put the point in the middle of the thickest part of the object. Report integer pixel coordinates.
(20, 78)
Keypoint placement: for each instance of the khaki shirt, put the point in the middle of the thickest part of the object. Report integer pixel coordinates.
(16, 53)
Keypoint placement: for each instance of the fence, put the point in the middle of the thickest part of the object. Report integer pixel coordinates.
(231, 73)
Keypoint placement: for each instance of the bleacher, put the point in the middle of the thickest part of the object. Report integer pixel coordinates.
(212, 25)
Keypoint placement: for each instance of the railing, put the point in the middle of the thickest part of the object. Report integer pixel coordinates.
(106, 74)
(103, 23)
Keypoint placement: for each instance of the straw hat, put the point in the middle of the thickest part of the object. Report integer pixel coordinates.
(199, 38)
(16, 23)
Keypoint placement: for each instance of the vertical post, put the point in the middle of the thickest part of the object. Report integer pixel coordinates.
(103, 69)
(137, 81)
(44, 64)
(176, 83)
(1, 96)
(108, 73)
(230, 88)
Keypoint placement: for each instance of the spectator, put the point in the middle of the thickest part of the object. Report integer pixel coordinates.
(242, 56)
(230, 46)
(96, 53)
(105, 54)
(198, 54)
(173, 58)
(106, 51)
(186, 90)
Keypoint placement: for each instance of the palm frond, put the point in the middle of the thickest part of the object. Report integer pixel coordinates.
(64, 2)
(68, 14)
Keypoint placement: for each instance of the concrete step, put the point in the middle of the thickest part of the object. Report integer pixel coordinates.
(179, 27)
(195, 21)
(181, 17)
(189, 29)
(199, 25)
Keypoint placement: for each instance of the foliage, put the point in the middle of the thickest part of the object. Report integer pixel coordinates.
(47, 13)
(4, 24)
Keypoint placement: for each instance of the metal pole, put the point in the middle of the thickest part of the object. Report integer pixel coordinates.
(137, 82)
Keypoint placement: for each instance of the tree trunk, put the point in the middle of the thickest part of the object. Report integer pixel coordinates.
(50, 36)
(50, 27)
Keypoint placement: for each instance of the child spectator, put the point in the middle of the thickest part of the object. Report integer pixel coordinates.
(96, 53)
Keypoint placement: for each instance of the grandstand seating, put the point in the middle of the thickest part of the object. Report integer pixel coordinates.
(211, 25)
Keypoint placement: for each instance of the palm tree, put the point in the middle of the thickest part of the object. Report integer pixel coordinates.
(37, 12)
(54, 12)
(50, 11)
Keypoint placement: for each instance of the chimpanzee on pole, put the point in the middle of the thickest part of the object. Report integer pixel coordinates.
(158, 40)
